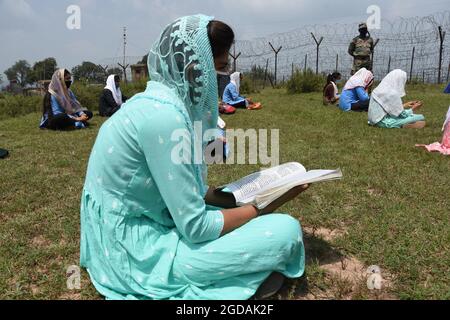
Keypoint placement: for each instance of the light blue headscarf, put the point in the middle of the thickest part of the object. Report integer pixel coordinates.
(182, 60)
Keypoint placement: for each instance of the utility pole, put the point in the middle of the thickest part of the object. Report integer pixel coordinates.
(124, 66)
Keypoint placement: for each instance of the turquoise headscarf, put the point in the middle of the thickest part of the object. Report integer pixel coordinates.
(182, 60)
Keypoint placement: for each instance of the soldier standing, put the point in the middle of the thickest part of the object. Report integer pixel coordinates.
(361, 49)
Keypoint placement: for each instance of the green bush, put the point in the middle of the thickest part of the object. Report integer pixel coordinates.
(16, 106)
(305, 82)
(132, 88)
(88, 95)
(247, 86)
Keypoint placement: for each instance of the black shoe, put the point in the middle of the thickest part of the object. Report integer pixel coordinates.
(3, 153)
(270, 287)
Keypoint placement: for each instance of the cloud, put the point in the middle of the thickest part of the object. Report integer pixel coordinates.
(17, 9)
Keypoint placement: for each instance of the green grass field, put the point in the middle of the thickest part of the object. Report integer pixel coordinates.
(391, 209)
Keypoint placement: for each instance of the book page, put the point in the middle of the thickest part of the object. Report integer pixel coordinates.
(312, 176)
(263, 199)
(262, 181)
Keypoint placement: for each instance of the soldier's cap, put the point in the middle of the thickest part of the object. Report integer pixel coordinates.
(363, 25)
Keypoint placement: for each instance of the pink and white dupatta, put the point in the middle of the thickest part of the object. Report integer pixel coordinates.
(444, 146)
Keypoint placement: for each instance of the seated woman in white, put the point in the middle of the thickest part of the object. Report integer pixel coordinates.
(232, 97)
(386, 109)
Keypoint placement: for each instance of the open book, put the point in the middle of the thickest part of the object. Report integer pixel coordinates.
(262, 188)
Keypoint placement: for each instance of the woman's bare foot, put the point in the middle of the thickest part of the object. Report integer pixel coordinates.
(255, 106)
(416, 105)
(416, 125)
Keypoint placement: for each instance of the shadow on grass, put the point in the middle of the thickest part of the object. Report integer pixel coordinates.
(318, 253)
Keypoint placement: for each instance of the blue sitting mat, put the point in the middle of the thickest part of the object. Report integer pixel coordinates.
(447, 90)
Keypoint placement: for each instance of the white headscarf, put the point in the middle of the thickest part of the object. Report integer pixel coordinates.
(362, 78)
(236, 80)
(390, 92)
(447, 120)
(111, 86)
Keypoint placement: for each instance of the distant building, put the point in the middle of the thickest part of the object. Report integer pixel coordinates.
(139, 72)
(40, 89)
(43, 85)
(14, 87)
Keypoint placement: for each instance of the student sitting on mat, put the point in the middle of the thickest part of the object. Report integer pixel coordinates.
(151, 228)
(111, 99)
(444, 146)
(232, 97)
(355, 96)
(331, 91)
(62, 111)
(386, 108)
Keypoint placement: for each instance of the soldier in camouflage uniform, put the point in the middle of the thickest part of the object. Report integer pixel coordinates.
(361, 49)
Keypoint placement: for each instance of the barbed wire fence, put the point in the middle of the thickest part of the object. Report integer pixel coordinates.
(416, 45)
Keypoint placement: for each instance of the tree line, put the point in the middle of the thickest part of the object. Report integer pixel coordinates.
(25, 74)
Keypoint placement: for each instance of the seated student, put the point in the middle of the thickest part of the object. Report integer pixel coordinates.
(444, 146)
(111, 99)
(331, 91)
(232, 97)
(355, 96)
(386, 108)
(62, 111)
(149, 227)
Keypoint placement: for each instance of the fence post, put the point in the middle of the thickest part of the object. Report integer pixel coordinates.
(124, 68)
(423, 76)
(318, 43)
(276, 60)
(337, 62)
(306, 61)
(105, 70)
(373, 53)
(255, 69)
(292, 72)
(389, 64)
(412, 64)
(441, 50)
(265, 74)
(235, 57)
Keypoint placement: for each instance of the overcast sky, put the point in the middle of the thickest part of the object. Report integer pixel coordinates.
(36, 29)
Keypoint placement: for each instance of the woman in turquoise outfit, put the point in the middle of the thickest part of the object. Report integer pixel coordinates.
(386, 109)
(148, 227)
